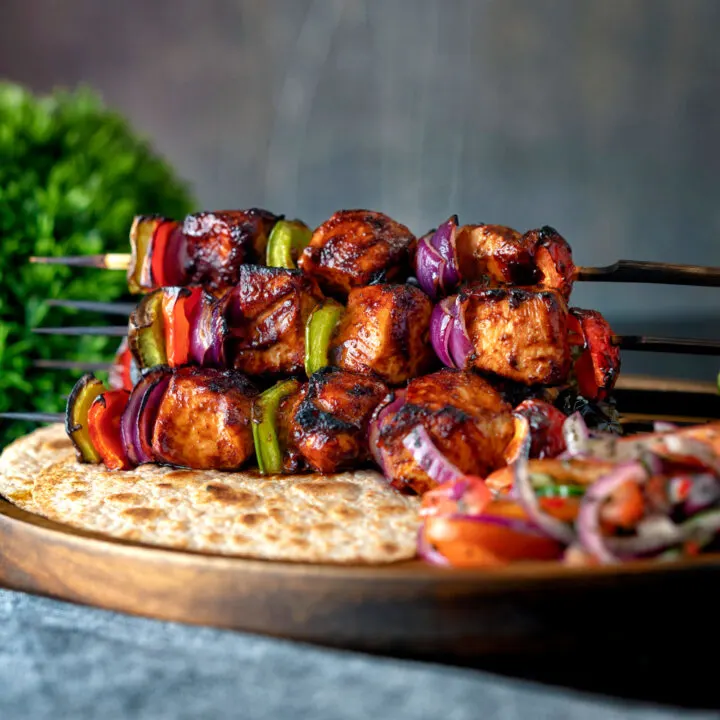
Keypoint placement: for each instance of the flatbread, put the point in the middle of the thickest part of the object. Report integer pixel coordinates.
(345, 518)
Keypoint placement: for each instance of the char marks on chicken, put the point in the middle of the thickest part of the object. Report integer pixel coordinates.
(466, 418)
(203, 421)
(325, 423)
(219, 243)
(355, 248)
(517, 333)
(266, 314)
(385, 330)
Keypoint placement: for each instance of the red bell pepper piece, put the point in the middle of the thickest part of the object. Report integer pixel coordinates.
(158, 250)
(104, 427)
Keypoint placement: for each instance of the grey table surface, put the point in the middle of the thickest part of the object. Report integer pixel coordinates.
(58, 660)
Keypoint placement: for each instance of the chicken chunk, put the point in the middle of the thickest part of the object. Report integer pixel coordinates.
(218, 243)
(517, 333)
(266, 315)
(385, 330)
(552, 257)
(355, 248)
(204, 418)
(466, 418)
(326, 422)
(494, 253)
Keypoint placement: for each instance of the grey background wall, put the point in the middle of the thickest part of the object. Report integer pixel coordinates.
(600, 118)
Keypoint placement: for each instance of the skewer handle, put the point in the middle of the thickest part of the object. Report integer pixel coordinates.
(638, 271)
(34, 417)
(690, 346)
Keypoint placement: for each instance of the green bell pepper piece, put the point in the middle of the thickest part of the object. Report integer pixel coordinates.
(264, 426)
(318, 332)
(287, 239)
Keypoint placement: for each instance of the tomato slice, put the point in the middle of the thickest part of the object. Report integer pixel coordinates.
(158, 249)
(468, 495)
(104, 427)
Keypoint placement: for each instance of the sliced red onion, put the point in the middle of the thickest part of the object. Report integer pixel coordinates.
(441, 323)
(130, 422)
(427, 552)
(691, 448)
(576, 435)
(429, 268)
(704, 493)
(215, 355)
(135, 374)
(525, 493)
(429, 458)
(392, 403)
(588, 521)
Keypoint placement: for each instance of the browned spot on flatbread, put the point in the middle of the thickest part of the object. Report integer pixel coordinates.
(76, 495)
(21, 496)
(142, 513)
(165, 486)
(345, 512)
(126, 498)
(390, 510)
(252, 519)
(225, 494)
(181, 477)
(56, 444)
(79, 485)
(299, 542)
(272, 537)
(276, 514)
(214, 537)
(325, 527)
(390, 548)
(323, 490)
(240, 539)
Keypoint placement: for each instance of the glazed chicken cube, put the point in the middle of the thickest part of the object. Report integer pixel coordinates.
(385, 330)
(355, 248)
(325, 423)
(494, 253)
(218, 243)
(203, 420)
(266, 315)
(466, 418)
(517, 333)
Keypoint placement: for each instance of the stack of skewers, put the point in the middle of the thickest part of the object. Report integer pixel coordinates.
(440, 360)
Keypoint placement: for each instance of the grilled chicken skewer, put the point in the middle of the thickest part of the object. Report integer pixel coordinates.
(208, 248)
(205, 418)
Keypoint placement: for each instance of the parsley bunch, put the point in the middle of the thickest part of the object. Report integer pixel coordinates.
(72, 176)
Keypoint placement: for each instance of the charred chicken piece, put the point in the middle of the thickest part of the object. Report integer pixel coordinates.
(385, 330)
(218, 243)
(203, 421)
(465, 417)
(494, 253)
(517, 333)
(266, 315)
(325, 424)
(597, 364)
(355, 248)
(552, 256)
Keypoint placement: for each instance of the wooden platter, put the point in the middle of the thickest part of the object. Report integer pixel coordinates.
(406, 609)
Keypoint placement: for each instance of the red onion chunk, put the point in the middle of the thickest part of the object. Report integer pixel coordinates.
(588, 522)
(201, 328)
(576, 435)
(392, 403)
(429, 458)
(176, 258)
(427, 552)
(149, 412)
(459, 344)
(429, 268)
(443, 240)
(138, 452)
(441, 323)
